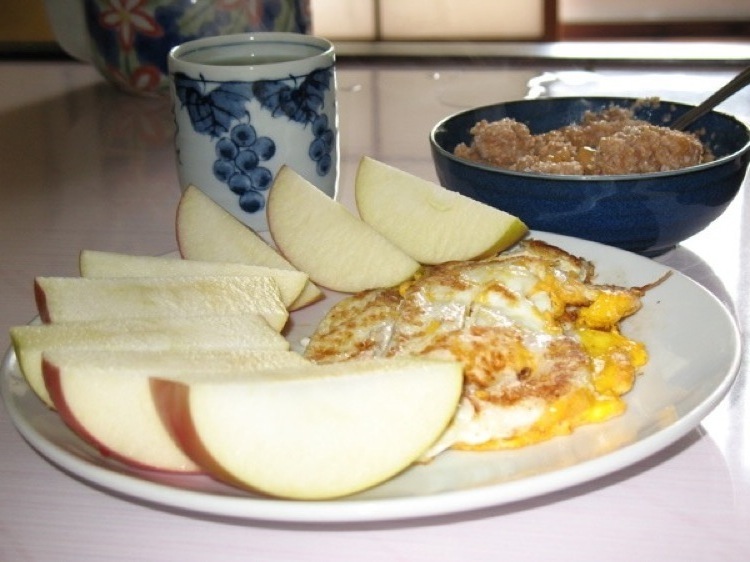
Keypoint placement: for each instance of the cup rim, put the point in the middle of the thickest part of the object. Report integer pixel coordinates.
(268, 37)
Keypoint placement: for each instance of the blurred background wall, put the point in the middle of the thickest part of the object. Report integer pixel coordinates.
(24, 27)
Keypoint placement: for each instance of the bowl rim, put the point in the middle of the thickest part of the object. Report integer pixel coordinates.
(580, 177)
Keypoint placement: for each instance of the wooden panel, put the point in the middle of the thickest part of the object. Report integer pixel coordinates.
(655, 30)
(24, 20)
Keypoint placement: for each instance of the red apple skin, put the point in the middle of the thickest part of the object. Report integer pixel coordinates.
(53, 382)
(172, 401)
(41, 303)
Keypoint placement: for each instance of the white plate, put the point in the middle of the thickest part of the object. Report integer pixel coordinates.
(694, 350)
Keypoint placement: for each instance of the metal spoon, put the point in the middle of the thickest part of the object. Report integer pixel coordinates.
(730, 88)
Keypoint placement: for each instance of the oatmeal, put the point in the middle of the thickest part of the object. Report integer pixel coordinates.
(607, 142)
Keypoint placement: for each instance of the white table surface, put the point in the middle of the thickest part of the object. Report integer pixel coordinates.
(86, 167)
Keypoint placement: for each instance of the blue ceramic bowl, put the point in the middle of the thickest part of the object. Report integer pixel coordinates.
(643, 213)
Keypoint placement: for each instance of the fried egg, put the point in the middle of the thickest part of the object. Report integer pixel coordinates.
(540, 342)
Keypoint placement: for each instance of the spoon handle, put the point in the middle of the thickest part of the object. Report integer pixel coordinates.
(730, 88)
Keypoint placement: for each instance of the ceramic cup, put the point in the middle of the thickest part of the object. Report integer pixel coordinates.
(244, 105)
(128, 40)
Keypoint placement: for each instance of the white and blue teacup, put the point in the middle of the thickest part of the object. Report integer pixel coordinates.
(246, 104)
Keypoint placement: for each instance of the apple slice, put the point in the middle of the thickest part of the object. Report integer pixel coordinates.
(170, 332)
(111, 264)
(313, 432)
(66, 299)
(334, 247)
(104, 396)
(430, 223)
(206, 232)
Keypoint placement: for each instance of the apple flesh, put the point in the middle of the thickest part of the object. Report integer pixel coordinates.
(313, 432)
(334, 247)
(430, 223)
(179, 333)
(104, 396)
(95, 264)
(67, 299)
(206, 232)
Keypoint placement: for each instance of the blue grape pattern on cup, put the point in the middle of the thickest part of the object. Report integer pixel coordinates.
(238, 158)
(218, 109)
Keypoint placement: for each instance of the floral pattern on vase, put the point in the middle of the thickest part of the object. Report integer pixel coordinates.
(132, 38)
